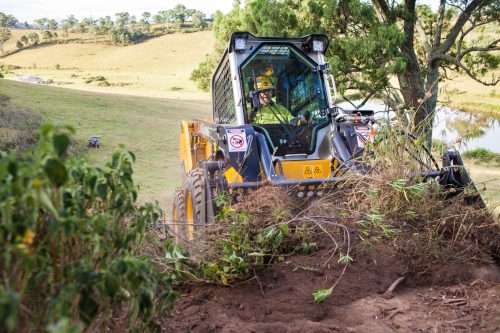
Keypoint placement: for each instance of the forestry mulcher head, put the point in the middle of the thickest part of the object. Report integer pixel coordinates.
(275, 123)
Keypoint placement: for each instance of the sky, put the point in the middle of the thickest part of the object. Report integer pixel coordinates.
(29, 10)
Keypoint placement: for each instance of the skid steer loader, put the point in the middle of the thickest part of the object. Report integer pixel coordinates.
(274, 123)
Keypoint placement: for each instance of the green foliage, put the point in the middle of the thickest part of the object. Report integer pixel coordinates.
(247, 241)
(124, 36)
(203, 74)
(482, 155)
(321, 294)
(47, 35)
(70, 237)
(199, 20)
(34, 38)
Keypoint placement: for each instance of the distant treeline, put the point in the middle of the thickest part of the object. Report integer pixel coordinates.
(124, 29)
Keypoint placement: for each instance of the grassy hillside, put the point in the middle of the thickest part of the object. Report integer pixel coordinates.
(147, 126)
(158, 67)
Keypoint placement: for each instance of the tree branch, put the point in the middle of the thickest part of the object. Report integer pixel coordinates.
(423, 36)
(382, 10)
(473, 26)
(439, 24)
(457, 63)
(457, 27)
(491, 47)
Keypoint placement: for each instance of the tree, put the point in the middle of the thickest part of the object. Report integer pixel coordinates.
(122, 19)
(180, 13)
(72, 21)
(144, 26)
(47, 35)
(146, 16)
(65, 26)
(4, 36)
(52, 24)
(198, 18)
(40, 23)
(7, 21)
(166, 16)
(104, 25)
(34, 38)
(158, 19)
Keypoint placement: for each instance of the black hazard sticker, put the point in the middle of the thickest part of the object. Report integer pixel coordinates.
(237, 140)
(307, 171)
(318, 171)
(312, 171)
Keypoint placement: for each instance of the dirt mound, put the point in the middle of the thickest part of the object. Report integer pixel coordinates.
(445, 298)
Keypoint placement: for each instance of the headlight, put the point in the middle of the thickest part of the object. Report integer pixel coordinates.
(240, 44)
(318, 45)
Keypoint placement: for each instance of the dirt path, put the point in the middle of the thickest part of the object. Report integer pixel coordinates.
(454, 298)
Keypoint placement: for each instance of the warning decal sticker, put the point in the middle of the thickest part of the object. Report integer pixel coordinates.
(307, 170)
(237, 140)
(364, 131)
(318, 171)
(312, 171)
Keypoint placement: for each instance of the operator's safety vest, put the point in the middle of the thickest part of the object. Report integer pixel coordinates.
(266, 115)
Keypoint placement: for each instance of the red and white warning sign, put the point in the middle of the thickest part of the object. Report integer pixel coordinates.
(237, 140)
(364, 131)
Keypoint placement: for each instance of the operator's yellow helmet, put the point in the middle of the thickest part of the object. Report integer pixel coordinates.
(263, 83)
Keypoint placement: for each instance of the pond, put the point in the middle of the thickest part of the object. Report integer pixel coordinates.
(463, 130)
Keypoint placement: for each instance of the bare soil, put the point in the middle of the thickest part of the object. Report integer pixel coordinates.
(449, 298)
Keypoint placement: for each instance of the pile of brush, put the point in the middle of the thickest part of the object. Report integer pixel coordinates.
(391, 205)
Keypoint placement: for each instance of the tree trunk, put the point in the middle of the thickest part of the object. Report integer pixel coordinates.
(426, 118)
(413, 90)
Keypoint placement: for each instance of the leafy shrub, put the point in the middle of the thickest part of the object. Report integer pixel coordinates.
(122, 36)
(483, 155)
(70, 238)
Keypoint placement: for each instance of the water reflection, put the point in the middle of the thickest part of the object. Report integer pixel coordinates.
(461, 130)
(467, 130)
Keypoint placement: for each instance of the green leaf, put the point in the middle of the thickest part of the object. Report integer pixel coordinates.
(102, 190)
(111, 284)
(47, 203)
(56, 171)
(321, 294)
(61, 143)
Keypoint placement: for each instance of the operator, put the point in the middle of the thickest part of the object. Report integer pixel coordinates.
(269, 110)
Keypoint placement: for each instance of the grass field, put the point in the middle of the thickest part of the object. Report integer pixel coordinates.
(158, 67)
(147, 126)
(463, 93)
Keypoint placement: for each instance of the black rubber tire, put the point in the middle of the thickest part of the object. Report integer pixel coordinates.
(177, 224)
(195, 189)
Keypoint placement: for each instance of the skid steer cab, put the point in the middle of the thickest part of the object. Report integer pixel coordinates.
(274, 123)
